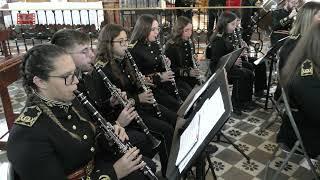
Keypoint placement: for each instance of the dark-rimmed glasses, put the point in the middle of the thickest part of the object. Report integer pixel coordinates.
(123, 42)
(70, 78)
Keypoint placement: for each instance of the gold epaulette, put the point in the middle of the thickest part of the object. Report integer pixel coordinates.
(307, 68)
(99, 63)
(130, 46)
(29, 116)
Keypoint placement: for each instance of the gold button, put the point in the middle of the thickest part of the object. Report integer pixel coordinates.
(151, 52)
(69, 116)
(92, 149)
(85, 137)
(74, 127)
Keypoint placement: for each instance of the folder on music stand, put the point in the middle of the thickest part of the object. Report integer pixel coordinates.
(208, 115)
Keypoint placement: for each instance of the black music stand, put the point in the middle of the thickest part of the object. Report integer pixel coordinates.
(216, 87)
(228, 60)
(271, 55)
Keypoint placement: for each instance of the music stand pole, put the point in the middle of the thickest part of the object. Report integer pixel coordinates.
(272, 57)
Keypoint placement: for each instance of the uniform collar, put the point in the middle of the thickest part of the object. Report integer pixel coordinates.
(53, 103)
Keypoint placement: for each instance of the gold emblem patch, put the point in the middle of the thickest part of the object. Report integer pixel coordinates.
(29, 116)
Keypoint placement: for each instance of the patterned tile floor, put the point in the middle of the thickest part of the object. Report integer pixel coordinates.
(228, 163)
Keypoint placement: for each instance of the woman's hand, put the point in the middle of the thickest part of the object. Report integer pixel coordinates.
(120, 132)
(146, 97)
(127, 115)
(167, 76)
(128, 163)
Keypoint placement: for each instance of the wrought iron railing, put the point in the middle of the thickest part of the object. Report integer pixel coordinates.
(90, 19)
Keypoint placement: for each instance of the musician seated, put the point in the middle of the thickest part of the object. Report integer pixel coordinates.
(77, 44)
(300, 79)
(115, 61)
(308, 13)
(180, 50)
(148, 54)
(282, 20)
(241, 77)
(54, 133)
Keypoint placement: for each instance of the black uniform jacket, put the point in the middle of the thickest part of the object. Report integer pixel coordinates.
(281, 20)
(51, 140)
(148, 58)
(181, 58)
(219, 47)
(304, 96)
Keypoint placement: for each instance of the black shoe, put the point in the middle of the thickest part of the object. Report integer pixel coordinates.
(249, 106)
(237, 111)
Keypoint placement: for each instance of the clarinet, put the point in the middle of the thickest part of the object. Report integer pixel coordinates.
(114, 92)
(142, 82)
(167, 67)
(194, 63)
(238, 36)
(108, 131)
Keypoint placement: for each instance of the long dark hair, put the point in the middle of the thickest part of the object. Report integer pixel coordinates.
(221, 28)
(38, 61)
(178, 27)
(106, 36)
(142, 28)
(105, 50)
(307, 48)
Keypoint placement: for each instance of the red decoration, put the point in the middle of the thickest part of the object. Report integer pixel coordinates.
(26, 18)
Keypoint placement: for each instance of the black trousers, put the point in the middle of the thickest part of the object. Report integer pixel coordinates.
(242, 80)
(260, 76)
(163, 131)
(165, 96)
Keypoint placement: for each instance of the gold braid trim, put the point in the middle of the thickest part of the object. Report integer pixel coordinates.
(54, 118)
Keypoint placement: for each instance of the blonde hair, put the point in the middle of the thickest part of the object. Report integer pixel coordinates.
(304, 18)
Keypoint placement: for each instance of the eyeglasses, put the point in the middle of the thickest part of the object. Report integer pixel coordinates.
(123, 42)
(70, 78)
(85, 51)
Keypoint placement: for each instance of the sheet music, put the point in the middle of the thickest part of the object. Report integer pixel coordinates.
(198, 94)
(188, 138)
(209, 114)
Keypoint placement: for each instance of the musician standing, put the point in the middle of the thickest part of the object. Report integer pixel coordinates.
(77, 44)
(221, 43)
(147, 51)
(54, 132)
(301, 81)
(282, 20)
(180, 50)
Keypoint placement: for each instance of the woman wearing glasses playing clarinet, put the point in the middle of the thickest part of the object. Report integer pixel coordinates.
(77, 44)
(180, 50)
(120, 68)
(149, 56)
(55, 132)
